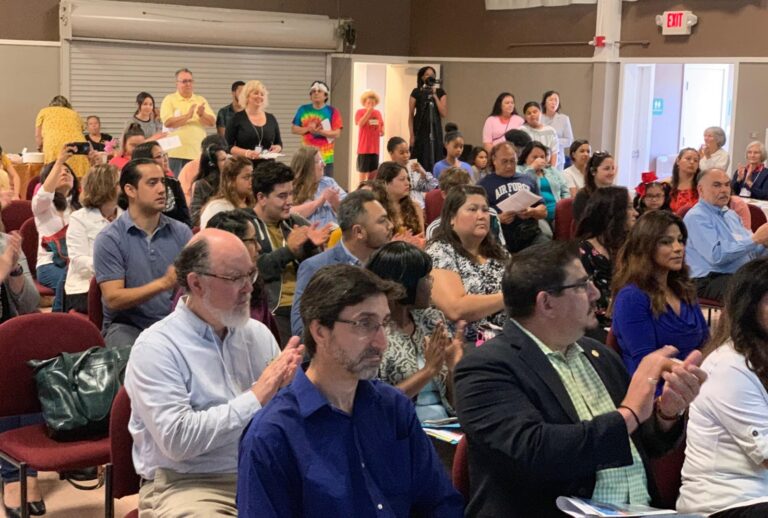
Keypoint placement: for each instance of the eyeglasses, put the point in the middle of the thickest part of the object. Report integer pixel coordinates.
(242, 280)
(581, 285)
(186, 81)
(365, 326)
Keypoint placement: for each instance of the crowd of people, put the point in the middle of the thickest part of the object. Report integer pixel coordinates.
(290, 338)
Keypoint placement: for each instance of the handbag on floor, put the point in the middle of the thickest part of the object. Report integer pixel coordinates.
(76, 390)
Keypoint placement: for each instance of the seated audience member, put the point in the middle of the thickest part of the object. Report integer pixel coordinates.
(654, 300)
(540, 132)
(93, 133)
(579, 153)
(650, 194)
(10, 183)
(518, 138)
(286, 239)
(718, 244)
(724, 475)
(335, 443)
(316, 197)
(552, 185)
(684, 173)
(133, 257)
(240, 223)
(468, 262)
(478, 159)
(601, 232)
(406, 215)
(132, 137)
(253, 131)
(503, 118)
(101, 186)
(548, 412)
(453, 177)
(422, 181)
(175, 203)
(195, 380)
(421, 355)
(521, 229)
(711, 153)
(365, 227)
(52, 205)
(600, 172)
(204, 174)
(751, 180)
(454, 147)
(235, 189)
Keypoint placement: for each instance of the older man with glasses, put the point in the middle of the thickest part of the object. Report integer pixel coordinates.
(187, 115)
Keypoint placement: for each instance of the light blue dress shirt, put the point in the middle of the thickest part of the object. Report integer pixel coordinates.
(717, 241)
(190, 392)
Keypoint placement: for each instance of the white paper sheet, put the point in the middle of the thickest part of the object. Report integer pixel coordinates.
(519, 201)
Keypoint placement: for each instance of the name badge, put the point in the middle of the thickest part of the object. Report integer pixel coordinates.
(745, 193)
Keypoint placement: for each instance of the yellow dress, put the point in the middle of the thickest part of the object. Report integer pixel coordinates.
(61, 126)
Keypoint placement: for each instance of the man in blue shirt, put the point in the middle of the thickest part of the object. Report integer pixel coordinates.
(197, 377)
(365, 227)
(133, 256)
(718, 244)
(334, 443)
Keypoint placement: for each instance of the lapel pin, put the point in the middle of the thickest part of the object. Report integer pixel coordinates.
(595, 353)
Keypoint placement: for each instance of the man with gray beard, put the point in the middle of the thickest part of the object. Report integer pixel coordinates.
(197, 377)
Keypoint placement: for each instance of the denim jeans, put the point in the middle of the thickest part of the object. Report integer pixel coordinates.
(8, 471)
(51, 276)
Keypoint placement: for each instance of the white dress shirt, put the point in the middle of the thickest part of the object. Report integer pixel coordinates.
(84, 225)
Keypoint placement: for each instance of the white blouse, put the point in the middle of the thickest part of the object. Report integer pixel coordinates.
(48, 221)
(727, 437)
(84, 225)
(212, 208)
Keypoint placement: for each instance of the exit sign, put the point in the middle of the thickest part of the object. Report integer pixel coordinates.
(675, 23)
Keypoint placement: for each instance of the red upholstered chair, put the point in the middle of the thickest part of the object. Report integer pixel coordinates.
(121, 478)
(667, 474)
(33, 182)
(15, 214)
(757, 215)
(39, 336)
(564, 219)
(433, 205)
(29, 244)
(460, 469)
(95, 307)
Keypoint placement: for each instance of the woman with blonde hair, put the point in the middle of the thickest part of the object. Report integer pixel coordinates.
(253, 131)
(371, 125)
(101, 187)
(235, 191)
(316, 197)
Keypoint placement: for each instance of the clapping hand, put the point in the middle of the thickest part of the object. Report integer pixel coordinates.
(319, 235)
(201, 110)
(279, 372)
(10, 256)
(681, 385)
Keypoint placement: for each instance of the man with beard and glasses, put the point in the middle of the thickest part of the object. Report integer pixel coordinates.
(549, 413)
(133, 256)
(334, 442)
(197, 377)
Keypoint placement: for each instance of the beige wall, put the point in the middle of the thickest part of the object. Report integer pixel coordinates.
(751, 109)
(30, 81)
(341, 90)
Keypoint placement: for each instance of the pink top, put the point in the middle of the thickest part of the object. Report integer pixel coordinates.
(494, 128)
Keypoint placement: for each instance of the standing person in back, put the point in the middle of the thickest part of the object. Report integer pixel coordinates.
(319, 123)
(187, 115)
(371, 125)
(503, 118)
(427, 105)
(226, 113)
(56, 125)
(560, 122)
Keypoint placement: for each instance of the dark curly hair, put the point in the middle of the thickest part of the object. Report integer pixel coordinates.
(605, 218)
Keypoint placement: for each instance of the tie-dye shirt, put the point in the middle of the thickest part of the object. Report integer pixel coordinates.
(307, 113)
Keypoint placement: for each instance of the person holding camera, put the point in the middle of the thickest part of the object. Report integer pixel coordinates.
(427, 104)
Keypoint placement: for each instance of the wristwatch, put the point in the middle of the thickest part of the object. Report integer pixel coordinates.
(17, 271)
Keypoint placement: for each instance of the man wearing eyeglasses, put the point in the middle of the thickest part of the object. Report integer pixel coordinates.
(335, 443)
(548, 412)
(133, 256)
(197, 377)
(187, 115)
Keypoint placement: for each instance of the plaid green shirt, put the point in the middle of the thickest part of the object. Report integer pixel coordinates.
(590, 398)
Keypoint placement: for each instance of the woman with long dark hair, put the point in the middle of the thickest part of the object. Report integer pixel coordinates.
(503, 117)
(205, 182)
(146, 117)
(600, 172)
(601, 232)
(684, 173)
(725, 474)
(427, 104)
(235, 191)
(406, 215)
(653, 298)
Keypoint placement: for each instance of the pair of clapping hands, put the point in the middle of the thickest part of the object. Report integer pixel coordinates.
(440, 349)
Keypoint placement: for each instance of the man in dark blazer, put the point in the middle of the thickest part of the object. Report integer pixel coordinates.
(529, 439)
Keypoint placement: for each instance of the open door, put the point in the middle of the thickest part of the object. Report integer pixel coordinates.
(634, 136)
(706, 102)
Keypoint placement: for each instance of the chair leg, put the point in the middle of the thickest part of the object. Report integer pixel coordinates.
(23, 489)
(109, 502)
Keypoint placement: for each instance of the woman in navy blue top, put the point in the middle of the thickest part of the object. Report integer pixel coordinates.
(654, 300)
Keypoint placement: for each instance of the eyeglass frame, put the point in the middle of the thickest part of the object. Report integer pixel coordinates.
(360, 328)
(582, 285)
(253, 275)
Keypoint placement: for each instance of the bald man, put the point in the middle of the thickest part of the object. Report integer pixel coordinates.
(197, 377)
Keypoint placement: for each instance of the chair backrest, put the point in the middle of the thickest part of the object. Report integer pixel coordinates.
(125, 481)
(95, 307)
(29, 244)
(460, 469)
(667, 474)
(433, 205)
(564, 219)
(757, 215)
(15, 214)
(33, 182)
(36, 336)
